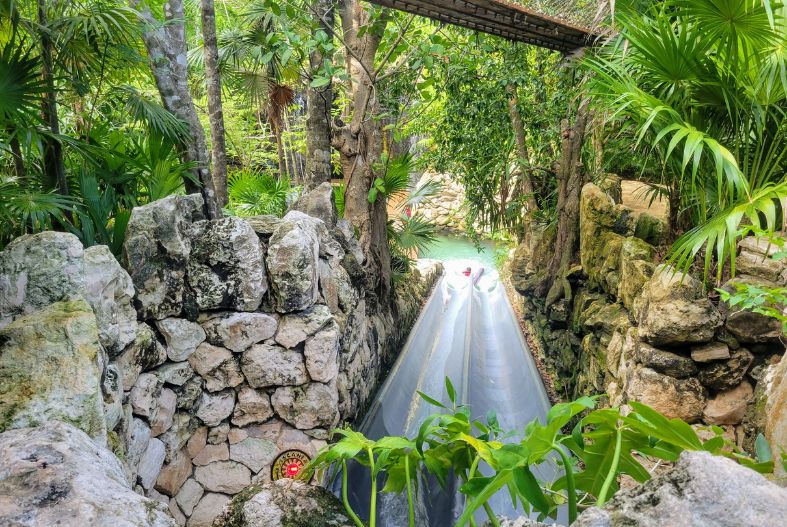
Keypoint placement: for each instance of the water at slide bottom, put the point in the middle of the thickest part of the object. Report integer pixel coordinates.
(469, 333)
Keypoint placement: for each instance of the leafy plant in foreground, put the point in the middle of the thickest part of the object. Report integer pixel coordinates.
(604, 445)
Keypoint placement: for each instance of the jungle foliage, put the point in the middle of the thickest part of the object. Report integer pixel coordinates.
(602, 445)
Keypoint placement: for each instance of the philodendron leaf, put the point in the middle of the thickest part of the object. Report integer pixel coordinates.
(530, 489)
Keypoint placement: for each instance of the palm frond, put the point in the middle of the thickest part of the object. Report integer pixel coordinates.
(252, 193)
(150, 113)
(414, 233)
(21, 85)
(720, 234)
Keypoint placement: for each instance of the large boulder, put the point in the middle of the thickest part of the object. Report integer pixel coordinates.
(702, 490)
(55, 475)
(636, 268)
(776, 411)
(49, 369)
(603, 227)
(284, 503)
(156, 252)
(674, 310)
(681, 398)
(319, 203)
(37, 270)
(226, 268)
(293, 264)
(109, 291)
(747, 326)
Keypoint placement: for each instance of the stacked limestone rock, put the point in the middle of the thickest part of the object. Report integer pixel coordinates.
(651, 335)
(447, 210)
(245, 338)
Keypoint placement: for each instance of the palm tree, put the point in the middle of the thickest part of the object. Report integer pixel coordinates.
(703, 84)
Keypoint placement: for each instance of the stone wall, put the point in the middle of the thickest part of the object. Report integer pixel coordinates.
(219, 345)
(638, 331)
(448, 209)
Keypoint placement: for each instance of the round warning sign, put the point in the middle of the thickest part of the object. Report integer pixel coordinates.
(289, 464)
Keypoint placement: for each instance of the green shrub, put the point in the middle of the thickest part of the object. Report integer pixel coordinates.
(603, 445)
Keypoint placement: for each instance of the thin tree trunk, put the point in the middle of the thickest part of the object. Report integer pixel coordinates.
(319, 105)
(54, 166)
(166, 46)
(359, 142)
(570, 182)
(521, 147)
(218, 148)
(276, 131)
(16, 154)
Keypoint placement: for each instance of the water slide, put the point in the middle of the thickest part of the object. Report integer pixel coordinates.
(468, 332)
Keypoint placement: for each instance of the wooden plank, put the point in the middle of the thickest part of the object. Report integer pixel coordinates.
(501, 18)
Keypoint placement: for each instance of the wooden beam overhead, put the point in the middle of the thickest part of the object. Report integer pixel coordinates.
(502, 18)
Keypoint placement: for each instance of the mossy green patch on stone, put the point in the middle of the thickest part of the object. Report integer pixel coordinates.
(49, 369)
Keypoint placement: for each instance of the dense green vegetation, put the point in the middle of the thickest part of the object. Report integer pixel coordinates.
(603, 445)
(106, 105)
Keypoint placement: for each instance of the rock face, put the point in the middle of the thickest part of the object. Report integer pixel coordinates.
(109, 291)
(49, 369)
(674, 312)
(702, 490)
(226, 268)
(319, 203)
(293, 263)
(305, 408)
(238, 331)
(184, 367)
(55, 475)
(681, 398)
(776, 412)
(37, 270)
(285, 503)
(156, 253)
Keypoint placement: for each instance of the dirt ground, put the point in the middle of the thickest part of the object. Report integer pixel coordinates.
(636, 197)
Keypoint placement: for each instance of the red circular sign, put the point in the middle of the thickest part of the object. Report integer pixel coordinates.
(289, 464)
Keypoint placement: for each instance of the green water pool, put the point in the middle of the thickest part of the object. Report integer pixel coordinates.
(451, 247)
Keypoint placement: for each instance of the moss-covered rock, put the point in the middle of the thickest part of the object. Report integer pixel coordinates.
(650, 229)
(675, 311)
(603, 227)
(636, 268)
(284, 503)
(49, 370)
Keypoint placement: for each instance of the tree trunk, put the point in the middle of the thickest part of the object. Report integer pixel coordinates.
(218, 148)
(166, 46)
(54, 167)
(359, 143)
(571, 179)
(521, 148)
(277, 137)
(16, 154)
(319, 105)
